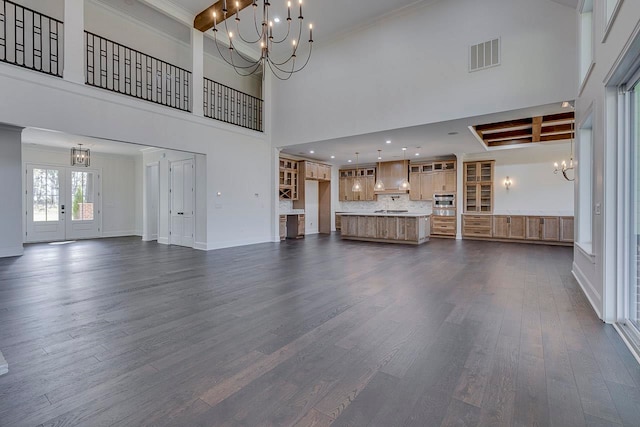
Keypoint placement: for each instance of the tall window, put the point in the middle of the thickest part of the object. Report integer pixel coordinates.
(586, 40)
(633, 288)
(585, 181)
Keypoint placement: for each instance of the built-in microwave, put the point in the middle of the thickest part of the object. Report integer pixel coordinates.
(444, 200)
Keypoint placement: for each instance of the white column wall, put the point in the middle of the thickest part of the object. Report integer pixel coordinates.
(10, 191)
(74, 41)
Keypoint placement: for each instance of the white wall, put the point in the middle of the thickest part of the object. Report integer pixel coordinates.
(595, 267)
(535, 189)
(10, 191)
(412, 68)
(120, 182)
(311, 206)
(237, 160)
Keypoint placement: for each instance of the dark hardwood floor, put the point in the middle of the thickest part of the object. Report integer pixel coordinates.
(118, 332)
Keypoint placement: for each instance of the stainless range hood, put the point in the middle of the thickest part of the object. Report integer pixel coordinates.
(392, 174)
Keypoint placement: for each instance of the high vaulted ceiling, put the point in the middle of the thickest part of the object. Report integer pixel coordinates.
(331, 18)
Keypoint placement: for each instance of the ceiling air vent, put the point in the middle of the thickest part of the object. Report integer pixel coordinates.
(484, 55)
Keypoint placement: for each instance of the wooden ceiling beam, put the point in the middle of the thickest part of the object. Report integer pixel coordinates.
(536, 129)
(555, 128)
(558, 117)
(204, 20)
(556, 137)
(503, 125)
(512, 134)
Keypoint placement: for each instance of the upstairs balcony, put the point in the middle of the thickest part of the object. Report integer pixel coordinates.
(36, 41)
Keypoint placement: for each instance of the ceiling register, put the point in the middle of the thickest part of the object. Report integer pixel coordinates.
(278, 52)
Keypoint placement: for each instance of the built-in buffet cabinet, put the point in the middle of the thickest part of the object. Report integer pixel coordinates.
(432, 177)
(478, 186)
(548, 229)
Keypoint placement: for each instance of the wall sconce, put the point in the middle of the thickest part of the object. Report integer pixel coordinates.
(507, 182)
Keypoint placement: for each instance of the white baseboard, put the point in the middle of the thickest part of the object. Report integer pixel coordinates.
(163, 240)
(119, 233)
(236, 243)
(630, 346)
(201, 246)
(13, 251)
(587, 288)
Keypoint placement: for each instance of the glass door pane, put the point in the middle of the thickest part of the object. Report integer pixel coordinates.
(46, 195)
(82, 195)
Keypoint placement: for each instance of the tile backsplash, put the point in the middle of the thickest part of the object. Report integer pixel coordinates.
(286, 205)
(386, 201)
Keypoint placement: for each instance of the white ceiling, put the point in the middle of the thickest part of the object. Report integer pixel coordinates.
(49, 138)
(330, 18)
(433, 140)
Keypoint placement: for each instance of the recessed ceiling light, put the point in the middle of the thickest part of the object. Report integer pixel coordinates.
(349, 161)
(333, 157)
(452, 133)
(404, 148)
(276, 20)
(311, 151)
(379, 157)
(389, 142)
(417, 154)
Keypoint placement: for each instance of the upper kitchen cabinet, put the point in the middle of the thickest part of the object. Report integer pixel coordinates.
(288, 179)
(478, 186)
(367, 177)
(315, 171)
(432, 177)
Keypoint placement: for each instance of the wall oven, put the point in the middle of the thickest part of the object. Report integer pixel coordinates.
(444, 204)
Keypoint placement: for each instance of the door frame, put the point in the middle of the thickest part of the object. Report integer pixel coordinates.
(67, 174)
(145, 225)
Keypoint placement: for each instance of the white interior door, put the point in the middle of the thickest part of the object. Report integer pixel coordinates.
(182, 203)
(62, 203)
(45, 204)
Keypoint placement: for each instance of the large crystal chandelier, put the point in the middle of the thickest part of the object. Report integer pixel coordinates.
(283, 62)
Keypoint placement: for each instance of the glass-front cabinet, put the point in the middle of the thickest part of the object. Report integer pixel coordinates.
(478, 187)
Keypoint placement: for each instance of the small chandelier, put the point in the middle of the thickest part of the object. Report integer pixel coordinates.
(564, 167)
(282, 67)
(379, 184)
(80, 156)
(404, 185)
(357, 185)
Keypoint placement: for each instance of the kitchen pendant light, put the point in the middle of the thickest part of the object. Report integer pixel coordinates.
(379, 184)
(404, 185)
(357, 185)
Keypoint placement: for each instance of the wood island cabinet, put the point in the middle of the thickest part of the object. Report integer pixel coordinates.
(386, 228)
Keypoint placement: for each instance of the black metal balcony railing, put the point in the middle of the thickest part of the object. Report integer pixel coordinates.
(30, 39)
(121, 69)
(232, 106)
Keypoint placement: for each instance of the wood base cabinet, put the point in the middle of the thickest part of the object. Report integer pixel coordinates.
(283, 227)
(443, 226)
(523, 228)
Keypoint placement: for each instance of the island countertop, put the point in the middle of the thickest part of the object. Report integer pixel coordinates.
(399, 214)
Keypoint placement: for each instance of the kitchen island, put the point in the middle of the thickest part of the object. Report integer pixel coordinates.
(410, 228)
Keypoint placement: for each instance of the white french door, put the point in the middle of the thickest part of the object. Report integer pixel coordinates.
(182, 203)
(62, 203)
